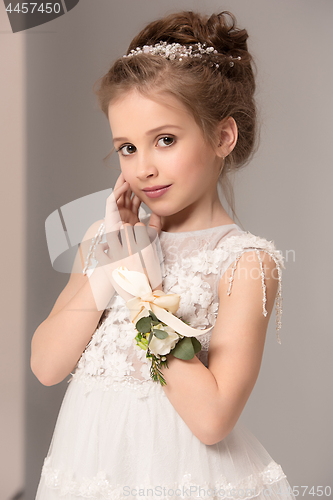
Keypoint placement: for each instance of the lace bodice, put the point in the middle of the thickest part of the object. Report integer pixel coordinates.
(193, 263)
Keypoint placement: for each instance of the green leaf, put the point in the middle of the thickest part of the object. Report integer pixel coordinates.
(144, 325)
(184, 349)
(196, 344)
(160, 334)
(152, 315)
(150, 337)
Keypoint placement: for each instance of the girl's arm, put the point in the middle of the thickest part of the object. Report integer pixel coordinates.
(59, 341)
(211, 400)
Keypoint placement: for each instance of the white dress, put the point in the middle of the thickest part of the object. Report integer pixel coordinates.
(118, 436)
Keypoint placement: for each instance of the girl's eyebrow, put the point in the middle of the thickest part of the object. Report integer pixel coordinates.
(152, 131)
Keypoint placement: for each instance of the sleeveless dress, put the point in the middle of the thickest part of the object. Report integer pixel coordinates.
(118, 436)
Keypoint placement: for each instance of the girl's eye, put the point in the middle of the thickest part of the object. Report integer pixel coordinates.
(166, 141)
(127, 149)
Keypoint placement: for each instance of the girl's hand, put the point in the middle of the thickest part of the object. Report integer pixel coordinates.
(127, 238)
(122, 208)
(155, 222)
(133, 247)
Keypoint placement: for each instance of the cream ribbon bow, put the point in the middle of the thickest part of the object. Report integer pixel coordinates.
(145, 299)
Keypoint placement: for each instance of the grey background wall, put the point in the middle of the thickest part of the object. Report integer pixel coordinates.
(12, 258)
(284, 195)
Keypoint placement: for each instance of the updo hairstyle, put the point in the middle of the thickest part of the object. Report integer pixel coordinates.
(212, 87)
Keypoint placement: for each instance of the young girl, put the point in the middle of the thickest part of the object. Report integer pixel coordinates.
(181, 110)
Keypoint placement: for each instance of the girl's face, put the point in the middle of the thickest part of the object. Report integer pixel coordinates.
(160, 144)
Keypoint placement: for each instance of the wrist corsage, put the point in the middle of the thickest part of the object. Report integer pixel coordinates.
(160, 332)
(159, 339)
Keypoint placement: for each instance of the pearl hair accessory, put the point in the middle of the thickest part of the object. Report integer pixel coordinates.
(174, 51)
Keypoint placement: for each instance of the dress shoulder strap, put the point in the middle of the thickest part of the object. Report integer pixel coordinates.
(245, 242)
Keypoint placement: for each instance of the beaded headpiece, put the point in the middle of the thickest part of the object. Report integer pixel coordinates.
(174, 51)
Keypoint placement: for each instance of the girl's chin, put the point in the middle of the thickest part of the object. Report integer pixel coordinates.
(160, 211)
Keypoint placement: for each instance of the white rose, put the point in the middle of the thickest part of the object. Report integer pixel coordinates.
(163, 346)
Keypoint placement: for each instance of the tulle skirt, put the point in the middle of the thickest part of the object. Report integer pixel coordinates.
(114, 444)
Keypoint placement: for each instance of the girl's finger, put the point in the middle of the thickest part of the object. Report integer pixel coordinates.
(128, 240)
(112, 216)
(136, 202)
(116, 248)
(120, 190)
(120, 181)
(155, 222)
(128, 201)
(115, 200)
(141, 235)
(121, 186)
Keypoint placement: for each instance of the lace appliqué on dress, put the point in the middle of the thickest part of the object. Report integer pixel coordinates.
(111, 359)
(100, 486)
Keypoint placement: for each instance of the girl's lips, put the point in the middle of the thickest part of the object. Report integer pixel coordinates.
(156, 193)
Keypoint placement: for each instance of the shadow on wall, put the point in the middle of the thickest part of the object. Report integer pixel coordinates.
(19, 496)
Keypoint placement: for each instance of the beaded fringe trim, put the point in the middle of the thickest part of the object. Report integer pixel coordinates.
(94, 242)
(278, 303)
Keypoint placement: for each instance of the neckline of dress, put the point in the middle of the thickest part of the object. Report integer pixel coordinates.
(197, 231)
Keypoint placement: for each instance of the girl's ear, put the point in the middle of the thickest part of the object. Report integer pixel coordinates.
(227, 135)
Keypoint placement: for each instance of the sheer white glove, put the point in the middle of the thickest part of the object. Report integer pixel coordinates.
(136, 249)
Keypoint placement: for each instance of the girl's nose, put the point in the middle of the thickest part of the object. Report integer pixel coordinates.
(145, 166)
